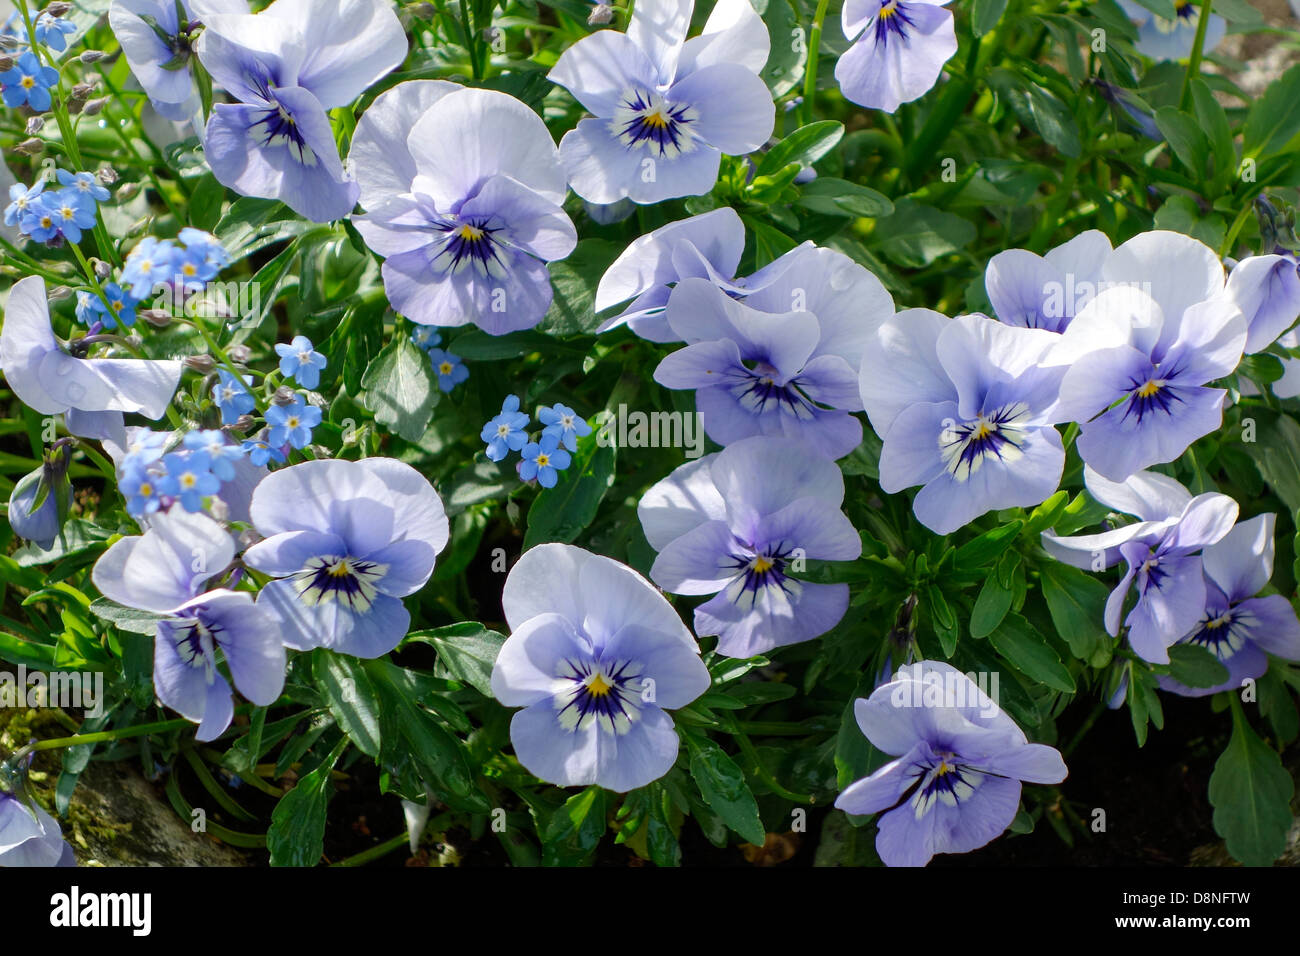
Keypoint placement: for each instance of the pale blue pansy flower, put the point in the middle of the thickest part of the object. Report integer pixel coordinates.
(595, 657)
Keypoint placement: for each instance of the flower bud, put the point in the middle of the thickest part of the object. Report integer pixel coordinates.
(6, 63)
(601, 13)
(29, 147)
(159, 319)
(35, 124)
(106, 174)
(96, 106)
(284, 395)
(92, 56)
(58, 8)
(239, 354)
(58, 292)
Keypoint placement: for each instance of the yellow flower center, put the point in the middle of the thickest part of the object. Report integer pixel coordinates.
(1149, 389)
(469, 232)
(444, 368)
(543, 459)
(599, 687)
(761, 563)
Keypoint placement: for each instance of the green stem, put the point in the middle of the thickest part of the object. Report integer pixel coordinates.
(1086, 726)
(104, 736)
(375, 852)
(1230, 240)
(810, 70)
(1198, 52)
(751, 754)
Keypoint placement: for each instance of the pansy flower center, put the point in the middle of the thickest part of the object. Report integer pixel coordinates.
(606, 694)
(893, 20)
(999, 434)
(470, 244)
(943, 779)
(196, 643)
(647, 120)
(348, 580)
(758, 570)
(1224, 634)
(276, 127)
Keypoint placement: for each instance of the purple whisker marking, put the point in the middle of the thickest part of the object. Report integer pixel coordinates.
(1224, 635)
(759, 392)
(996, 434)
(647, 119)
(601, 692)
(1153, 394)
(757, 570)
(347, 580)
(196, 640)
(469, 242)
(278, 128)
(892, 20)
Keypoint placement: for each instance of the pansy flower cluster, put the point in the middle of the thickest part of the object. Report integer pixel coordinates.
(912, 449)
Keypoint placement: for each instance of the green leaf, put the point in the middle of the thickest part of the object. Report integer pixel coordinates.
(943, 618)
(574, 830)
(803, 147)
(985, 15)
(1077, 603)
(1276, 451)
(990, 607)
(1274, 117)
(988, 547)
(297, 833)
(205, 203)
(916, 234)
(563, 512)
(412, 734)
(1251, 794)
(839, 197)
(126, 618)
(855, 757)
(1195, 666)
(784, 68)
(1212, 119)
(1040, 109)
(350, 697)
(467, 651)
(401, 388)
(253, 224)
(1028, 652)
(574, 280)
(1185, 138)
(723, 786)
